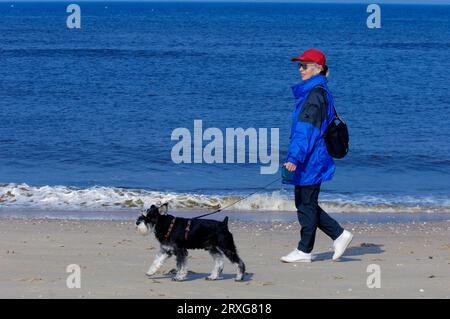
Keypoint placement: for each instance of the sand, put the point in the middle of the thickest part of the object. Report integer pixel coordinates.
(413, 258)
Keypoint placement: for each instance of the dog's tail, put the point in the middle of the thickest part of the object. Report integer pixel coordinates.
(225, 221)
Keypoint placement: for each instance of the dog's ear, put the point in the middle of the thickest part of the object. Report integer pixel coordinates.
(148, 211)
(163, 209)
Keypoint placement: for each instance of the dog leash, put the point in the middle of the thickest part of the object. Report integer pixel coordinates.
(188, 227)
(220, 209)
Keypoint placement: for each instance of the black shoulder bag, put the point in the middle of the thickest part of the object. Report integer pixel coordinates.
(336, 137)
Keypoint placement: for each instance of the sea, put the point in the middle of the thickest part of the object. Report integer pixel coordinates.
(87, 114)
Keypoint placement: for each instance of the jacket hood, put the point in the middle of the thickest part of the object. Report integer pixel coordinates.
(301, 88)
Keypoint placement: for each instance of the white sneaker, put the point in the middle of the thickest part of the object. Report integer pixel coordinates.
(296, 256)
(341, 243)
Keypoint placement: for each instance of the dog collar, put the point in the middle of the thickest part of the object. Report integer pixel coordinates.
(170, 229)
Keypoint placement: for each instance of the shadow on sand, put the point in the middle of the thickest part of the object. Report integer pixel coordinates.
(362, 249)
(192, 275)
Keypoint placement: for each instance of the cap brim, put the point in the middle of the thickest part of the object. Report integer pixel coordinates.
(301, 58)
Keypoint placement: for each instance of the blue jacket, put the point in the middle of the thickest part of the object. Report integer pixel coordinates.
(313, 113)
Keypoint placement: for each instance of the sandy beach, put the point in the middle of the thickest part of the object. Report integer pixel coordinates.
(414, 261)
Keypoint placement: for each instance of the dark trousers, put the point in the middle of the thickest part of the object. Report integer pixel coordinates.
(311, 217)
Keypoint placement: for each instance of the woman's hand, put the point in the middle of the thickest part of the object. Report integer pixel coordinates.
(290, 166)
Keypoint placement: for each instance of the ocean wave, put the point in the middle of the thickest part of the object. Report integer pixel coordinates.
(19, 196)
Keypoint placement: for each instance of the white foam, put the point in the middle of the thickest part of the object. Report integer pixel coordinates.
(109, 198)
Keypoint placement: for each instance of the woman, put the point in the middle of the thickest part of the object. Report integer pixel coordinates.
(308, 159)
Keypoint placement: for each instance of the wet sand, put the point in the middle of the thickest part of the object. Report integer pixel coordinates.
(414, 261)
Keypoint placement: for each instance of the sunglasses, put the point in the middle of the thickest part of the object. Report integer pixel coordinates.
(303, 65)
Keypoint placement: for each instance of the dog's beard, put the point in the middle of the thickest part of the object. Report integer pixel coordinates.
(143, 229)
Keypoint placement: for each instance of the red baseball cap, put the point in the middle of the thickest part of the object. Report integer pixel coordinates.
(311, 55)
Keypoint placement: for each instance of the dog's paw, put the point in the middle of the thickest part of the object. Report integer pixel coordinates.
(213, 278)
(150, 273)
(178, 279)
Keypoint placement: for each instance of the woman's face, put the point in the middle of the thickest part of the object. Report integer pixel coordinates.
(308, 70)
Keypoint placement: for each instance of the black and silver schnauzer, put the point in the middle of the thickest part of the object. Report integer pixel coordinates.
(176, 235)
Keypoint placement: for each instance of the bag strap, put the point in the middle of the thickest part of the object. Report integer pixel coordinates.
(336, 115)
(325, 132)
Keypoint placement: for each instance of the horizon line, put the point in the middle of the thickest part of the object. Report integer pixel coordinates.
(365, 2)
